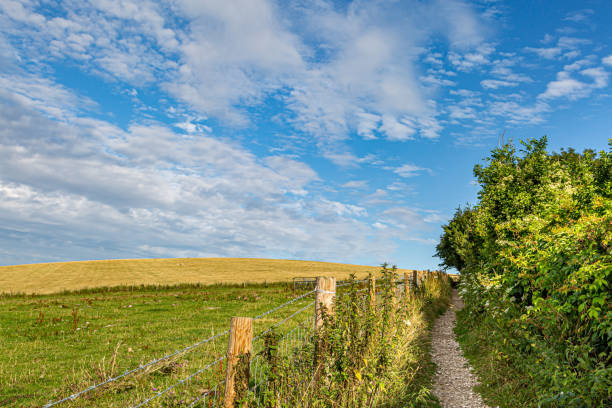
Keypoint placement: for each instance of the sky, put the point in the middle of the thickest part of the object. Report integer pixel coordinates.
(316, 130)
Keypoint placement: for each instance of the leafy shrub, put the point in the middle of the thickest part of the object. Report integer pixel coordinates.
(536, 267)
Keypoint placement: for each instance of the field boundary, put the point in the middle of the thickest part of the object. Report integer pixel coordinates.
(304, 332)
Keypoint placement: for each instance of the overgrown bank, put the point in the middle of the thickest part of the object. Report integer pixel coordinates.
(536, 267)
(370, 352)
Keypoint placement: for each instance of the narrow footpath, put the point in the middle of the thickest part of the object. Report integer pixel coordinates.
(454, 380)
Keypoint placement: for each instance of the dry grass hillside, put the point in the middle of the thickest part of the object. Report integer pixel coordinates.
(55, 277)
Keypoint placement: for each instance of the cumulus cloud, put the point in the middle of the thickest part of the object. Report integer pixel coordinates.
(220, 62)
(607, 60)
(80, 187)
(571, 88)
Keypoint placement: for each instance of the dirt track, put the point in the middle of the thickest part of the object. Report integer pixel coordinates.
(454, 379)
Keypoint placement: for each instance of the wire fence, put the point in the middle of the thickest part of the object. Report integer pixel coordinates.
(296, 335)
(210, 396)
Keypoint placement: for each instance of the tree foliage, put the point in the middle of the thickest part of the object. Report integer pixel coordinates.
(535, 260)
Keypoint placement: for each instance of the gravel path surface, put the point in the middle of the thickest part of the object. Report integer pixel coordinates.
(454, 379)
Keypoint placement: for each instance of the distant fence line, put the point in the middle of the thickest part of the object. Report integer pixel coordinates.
(241, 339)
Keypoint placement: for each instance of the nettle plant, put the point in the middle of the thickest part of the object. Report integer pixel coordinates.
(535, 260)
(354, 359)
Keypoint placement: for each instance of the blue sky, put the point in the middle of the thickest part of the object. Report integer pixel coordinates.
(334, 131)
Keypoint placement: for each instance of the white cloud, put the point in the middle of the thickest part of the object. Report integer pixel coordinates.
(567, 47)
(579, 16)
(403, 218)
(599, 76)
(519, 114)
(367, 123)
(434, 58)
(461, 112)
(401, 187)
(358, 184)
(470, 60)
(80, 187)
(496, 83)
(548, 53)
(607, 60)
(579, 64)
(401, 130)
(220, 62)
(410, 170)
(571, 88)
(378, 197)
(434, 80)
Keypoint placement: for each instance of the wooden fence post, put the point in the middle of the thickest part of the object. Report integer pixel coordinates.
(406, 285)
(414, 279)
(238, 360)
(325, 296)
(372, 292)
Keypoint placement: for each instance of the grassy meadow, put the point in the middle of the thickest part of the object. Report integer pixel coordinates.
(66, 326)
(69, 276)
(54, 345)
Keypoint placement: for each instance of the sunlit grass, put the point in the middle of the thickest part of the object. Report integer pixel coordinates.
(54, 345)
(56, 277)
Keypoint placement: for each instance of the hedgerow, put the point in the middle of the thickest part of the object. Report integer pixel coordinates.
(536, 268)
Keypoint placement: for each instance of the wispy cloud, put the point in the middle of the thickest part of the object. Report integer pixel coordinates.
(579, 16)
(410, 170)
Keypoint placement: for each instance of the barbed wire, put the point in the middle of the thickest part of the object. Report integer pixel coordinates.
(351, 282)
(183, 350)
(283, 305)
(211, 391)
(283, 321)
(139, 368)
(159, 394)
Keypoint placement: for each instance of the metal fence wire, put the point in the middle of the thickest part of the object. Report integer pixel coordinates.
(298, 331)
(213, 396)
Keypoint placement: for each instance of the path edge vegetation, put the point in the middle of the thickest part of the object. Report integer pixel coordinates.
(365, 355)
(536, 276)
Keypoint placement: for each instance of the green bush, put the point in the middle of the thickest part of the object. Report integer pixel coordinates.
(536, 267)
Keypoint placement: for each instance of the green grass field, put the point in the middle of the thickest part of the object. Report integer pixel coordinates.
(54, 345)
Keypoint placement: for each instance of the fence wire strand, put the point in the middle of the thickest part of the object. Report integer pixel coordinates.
(212, 391)
(139, 368)
(283, 321)
(176, 352)
(159, 394)
(283, 305)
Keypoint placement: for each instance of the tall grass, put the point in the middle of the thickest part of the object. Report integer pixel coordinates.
(364, 356)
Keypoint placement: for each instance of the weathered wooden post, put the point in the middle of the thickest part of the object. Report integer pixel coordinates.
(238, 361)
(414, 279)
(325, 297)
(372, 292)
(407, 285)
(393, 289)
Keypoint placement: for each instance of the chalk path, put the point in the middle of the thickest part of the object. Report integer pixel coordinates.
(454, 381)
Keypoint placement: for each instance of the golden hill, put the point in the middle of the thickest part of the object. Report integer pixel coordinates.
(55, 277)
